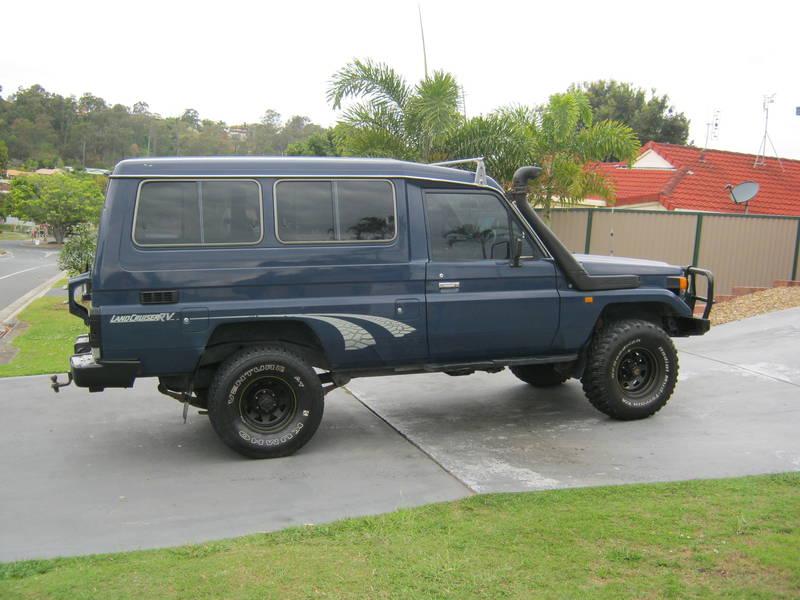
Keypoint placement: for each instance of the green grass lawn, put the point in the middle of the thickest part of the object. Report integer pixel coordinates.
(46, 345)
(7, 232)
(734, 538)
(14, 235)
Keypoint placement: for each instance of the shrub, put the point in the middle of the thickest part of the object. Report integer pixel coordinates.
(77, 255)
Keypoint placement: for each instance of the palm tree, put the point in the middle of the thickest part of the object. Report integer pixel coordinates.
(391, 118)
(561, 137)
(567, 141)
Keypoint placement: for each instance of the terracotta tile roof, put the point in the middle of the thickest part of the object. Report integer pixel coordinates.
(699, 178)
(633, 186)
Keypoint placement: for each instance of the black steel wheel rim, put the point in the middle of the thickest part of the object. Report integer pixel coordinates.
(638, 372)
(268, 404)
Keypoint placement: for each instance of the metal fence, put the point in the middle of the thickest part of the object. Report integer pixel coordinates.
(741, 250)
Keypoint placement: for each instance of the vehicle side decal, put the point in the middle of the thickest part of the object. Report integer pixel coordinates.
(397, 328)
(354, 336)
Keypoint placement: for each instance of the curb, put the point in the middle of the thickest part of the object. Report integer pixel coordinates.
(13, 309)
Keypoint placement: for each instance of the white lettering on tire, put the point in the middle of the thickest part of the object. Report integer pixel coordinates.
(260, 441)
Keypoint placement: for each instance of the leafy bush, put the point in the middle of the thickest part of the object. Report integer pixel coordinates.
(77, 255)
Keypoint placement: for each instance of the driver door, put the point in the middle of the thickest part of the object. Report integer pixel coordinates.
(478, 305)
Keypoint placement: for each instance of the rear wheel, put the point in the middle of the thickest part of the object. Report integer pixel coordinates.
(265, 402)
(631, 371)
(539, 375)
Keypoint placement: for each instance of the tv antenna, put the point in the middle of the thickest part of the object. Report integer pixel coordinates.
(761, 157)
(712, 128)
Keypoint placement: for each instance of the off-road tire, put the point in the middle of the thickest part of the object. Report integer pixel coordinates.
(539, 375)
(251, 383)
(631, 371)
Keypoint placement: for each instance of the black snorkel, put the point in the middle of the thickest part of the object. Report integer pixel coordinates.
(572, 269)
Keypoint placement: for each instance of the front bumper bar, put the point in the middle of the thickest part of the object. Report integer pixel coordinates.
(688, 326)
(691, 293)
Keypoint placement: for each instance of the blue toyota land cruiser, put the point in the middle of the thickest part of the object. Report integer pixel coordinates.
(251, 287)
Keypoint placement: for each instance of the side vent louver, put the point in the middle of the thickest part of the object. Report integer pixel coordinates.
(158, 297)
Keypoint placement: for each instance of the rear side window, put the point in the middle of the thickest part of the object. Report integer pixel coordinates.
(198, 213)
(335, 211)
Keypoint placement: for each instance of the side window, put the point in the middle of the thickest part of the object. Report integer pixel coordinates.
(470, 226)
(198, 213)
(335, 211)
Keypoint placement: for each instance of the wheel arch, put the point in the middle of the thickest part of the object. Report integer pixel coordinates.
(660, 313)
(652, 311)
(227, 338)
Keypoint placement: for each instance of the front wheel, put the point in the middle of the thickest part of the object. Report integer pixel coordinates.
(631, 371)
(265, 402)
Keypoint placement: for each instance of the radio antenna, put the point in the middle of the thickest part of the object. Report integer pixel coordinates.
(422, 35)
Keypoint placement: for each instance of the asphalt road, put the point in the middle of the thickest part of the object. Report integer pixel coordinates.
(84, 473)
(23, 267)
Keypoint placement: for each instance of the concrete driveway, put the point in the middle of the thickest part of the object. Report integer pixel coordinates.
(85, 473)
(735, 411)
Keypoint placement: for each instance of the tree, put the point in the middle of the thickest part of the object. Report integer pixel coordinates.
(565, 139)
(652, 117)
(3, 158)
(191, 117)
(61, 201)
(322, 143)
(391, 118)
(562, 137)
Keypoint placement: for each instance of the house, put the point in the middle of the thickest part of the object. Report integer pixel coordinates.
(12, 173)
(238, 132)
(685, 178)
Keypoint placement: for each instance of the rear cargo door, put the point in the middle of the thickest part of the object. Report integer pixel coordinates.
(479, 306)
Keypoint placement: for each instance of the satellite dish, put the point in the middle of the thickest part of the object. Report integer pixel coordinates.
(744, 192)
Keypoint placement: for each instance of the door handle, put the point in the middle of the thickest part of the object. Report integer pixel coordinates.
(449, 285)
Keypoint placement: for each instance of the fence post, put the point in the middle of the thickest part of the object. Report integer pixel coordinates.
(796, 251)
(698, 231)
(589, 230)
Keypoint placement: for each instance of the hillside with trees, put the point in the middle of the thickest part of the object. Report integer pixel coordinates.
(380, 114)
(43, 129)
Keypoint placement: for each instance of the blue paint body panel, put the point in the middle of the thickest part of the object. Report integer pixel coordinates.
(372, 306)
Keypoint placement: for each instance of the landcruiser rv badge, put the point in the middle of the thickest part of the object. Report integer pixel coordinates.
(143, 318)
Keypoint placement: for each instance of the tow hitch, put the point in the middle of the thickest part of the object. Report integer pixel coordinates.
(56, 385)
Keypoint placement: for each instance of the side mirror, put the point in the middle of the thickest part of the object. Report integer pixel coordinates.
(516, 252)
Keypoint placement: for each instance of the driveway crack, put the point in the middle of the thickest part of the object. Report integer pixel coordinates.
(740, 367)
(408, 439)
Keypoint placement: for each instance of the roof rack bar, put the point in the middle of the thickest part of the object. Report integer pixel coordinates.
(480, 167)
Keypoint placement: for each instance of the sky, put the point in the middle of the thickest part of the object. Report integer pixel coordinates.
(233, 60)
